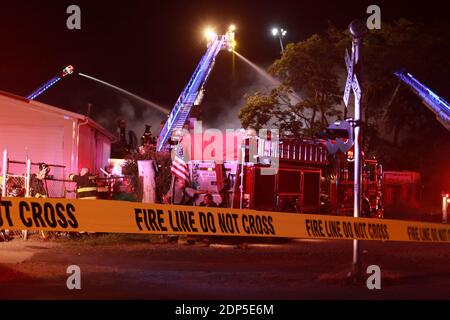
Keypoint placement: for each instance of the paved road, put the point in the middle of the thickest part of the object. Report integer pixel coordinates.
(112, 268)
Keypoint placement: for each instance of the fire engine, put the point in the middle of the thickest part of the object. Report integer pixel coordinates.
(307, 179)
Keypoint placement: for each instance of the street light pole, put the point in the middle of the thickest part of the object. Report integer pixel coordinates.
(358, 30)
(280, 33)
(281, 44)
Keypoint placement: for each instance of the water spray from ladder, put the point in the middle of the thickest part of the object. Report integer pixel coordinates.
(145, 101)
(270, 80)
(273, 82)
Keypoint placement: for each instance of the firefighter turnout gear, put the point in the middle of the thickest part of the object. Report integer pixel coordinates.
(86, 185)
(38, 189)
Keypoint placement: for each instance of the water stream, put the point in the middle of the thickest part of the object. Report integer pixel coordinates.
(273, 82)
(145, 101)
(270, 80)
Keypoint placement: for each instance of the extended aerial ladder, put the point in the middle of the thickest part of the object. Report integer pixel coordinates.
(435, 103)
(193, 92)
(65, 72)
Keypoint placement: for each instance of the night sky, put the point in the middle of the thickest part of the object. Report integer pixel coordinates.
(152, 47)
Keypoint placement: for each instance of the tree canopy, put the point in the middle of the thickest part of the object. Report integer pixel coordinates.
(308, 97)
(397, 127)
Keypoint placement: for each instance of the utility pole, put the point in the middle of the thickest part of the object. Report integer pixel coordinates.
(358, 30)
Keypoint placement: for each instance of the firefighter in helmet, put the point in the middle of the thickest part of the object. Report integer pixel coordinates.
(86, 184)
(147, 137)
(37, 186)
(38, 189)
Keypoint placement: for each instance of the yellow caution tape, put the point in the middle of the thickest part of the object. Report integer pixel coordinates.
(132, 217)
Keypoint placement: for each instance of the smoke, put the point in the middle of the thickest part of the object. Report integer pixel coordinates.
(229, 106)
(136, 115)
(220, 108)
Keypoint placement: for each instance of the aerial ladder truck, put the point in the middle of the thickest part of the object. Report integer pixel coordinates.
(65, 72)
(435, 103)
(193, 92)
(439, 107)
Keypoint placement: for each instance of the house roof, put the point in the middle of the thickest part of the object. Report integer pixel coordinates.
(59, 111)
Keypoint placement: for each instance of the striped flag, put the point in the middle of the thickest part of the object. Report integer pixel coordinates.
(180, 168)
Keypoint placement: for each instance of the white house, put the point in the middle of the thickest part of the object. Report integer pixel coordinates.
(44, 133)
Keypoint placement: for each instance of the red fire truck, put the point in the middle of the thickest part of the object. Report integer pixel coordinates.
(306, 180)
